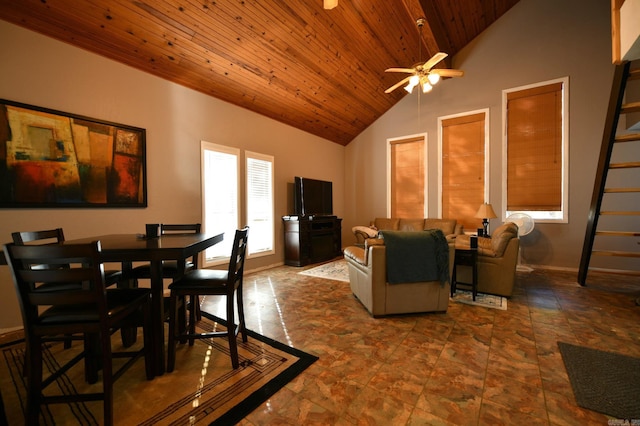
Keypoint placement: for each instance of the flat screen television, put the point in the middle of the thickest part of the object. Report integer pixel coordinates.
(312, 197)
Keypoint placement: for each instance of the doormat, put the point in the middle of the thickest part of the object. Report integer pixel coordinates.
(203, 388)
(486, 300)
(336, 270)
(605, 382)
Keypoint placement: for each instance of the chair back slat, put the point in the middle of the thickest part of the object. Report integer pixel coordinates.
(46, 237)
(56, 275)
(72, 297)
(185, 228)
(49, 236)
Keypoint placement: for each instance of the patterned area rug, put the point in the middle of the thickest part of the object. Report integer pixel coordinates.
(203, 388)
(336, 270)
(486, 300)
(605, 382)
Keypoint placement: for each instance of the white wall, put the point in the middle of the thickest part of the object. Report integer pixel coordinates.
(537, 40)
(44, 72)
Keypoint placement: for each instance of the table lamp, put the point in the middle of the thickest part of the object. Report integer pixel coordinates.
(485, 212)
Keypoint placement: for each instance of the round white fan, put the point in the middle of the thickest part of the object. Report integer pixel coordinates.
(525, 225)
(524, 221)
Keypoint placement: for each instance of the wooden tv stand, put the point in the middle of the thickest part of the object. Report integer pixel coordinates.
(311, 240)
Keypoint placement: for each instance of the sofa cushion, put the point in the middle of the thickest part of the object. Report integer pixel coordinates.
(386, 223)
(416, 224)
(447, 226)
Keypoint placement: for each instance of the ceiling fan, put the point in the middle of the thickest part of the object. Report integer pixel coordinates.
(423, 74)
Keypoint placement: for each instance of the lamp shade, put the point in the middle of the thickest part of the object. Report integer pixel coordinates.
(485, 212)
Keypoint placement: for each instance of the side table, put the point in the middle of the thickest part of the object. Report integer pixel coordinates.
(466, 257)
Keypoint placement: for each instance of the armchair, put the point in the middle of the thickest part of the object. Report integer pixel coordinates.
(497, 259)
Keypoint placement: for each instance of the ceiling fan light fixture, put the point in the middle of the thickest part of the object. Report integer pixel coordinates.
(330, 4)
(421, 73)
(433, 78)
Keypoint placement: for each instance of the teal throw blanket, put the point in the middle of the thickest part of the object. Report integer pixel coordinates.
(416, 256)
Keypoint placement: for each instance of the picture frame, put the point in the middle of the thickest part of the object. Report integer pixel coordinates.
(55, 159)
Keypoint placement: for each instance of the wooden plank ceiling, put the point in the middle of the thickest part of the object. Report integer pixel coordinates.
(318, 70)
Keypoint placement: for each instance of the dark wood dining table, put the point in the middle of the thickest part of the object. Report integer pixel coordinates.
(129, 248)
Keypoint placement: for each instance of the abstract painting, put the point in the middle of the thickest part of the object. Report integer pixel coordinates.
(56, 159)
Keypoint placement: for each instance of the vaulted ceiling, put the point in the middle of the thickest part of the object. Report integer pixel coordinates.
(322, 71)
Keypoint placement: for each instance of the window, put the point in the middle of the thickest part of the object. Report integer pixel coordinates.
(260, 203)
(464, 166)
(535, 151)
(222, 210)
(406, 169)
(220, 201)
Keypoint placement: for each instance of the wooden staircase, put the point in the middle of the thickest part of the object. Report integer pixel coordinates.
(612, 140)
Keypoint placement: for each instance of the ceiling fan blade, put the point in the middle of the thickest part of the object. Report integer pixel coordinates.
(398, 84)
(445, 72)
(434, 60)
(408, 70)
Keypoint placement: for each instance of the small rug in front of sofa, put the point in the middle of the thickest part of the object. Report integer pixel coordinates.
(486, 300)
(336, 270)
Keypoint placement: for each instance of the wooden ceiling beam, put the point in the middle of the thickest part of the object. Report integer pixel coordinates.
(432, 33)
(436, 31)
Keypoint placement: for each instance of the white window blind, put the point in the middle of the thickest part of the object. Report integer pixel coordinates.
(260, 204)
(220, 186)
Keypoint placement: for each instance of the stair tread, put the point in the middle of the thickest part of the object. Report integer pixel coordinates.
(620, 233)
(609, 190)
(620, 213)
(625, 165)
(630, 107)
(630, 137)
(616, 253)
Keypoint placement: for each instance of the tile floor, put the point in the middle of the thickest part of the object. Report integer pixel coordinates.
(470, 366)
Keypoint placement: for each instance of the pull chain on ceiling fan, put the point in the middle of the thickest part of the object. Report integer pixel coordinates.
(423, 74)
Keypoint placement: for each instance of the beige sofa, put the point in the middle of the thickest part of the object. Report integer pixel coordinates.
(497, 259)
(449, 227)
(368, 279)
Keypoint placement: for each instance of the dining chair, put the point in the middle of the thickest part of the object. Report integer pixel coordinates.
(52, 310)
(210, 282)
(172, 269)
(55, 236)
